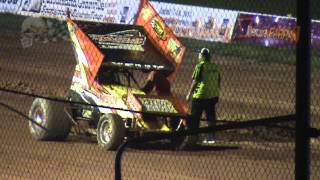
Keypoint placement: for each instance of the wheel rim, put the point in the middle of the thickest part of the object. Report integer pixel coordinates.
(106, 131)
(38, 117)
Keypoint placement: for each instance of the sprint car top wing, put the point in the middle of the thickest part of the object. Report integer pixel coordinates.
(148, 45)
(125, 46)
(160, 34)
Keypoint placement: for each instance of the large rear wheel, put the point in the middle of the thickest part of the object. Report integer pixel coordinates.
(50, 120)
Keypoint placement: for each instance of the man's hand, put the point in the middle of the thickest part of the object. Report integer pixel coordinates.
(188, 97)
(193, 86)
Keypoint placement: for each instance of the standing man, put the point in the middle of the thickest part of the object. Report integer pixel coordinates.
(205, 92)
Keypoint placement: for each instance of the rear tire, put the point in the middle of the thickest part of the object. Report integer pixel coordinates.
(110, 131)
(51, 116)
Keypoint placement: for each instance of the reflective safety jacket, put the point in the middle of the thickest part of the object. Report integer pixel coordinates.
(206, 74)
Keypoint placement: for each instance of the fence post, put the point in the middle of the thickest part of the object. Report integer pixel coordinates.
(119, 154)
(303, 89)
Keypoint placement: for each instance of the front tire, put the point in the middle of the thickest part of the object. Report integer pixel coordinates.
(51, 116)
(110, 131)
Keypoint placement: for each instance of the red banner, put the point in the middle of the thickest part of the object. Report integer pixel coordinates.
(266, 30)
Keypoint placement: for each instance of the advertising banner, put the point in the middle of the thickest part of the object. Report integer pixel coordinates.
(198, 22)
(162, 37)
(111, 11)
(25, 7)
(10, 5)
(266, 30)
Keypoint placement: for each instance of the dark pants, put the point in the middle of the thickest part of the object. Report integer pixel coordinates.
(200, 105)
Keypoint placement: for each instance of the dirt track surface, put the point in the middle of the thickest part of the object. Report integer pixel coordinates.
(249, 91)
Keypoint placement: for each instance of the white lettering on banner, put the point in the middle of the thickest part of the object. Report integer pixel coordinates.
(8, 1)
(91, 10)
(9, 5)
(277, 33)
(112, 11)
(174, 12)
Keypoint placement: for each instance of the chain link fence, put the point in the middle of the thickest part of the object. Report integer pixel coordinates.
(72, 93)
(314, 97)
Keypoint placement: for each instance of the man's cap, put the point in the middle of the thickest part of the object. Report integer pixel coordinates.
(206, 53)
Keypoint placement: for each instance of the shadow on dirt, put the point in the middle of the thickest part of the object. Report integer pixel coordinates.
(196, 148)
(161, 145)
(81, 139)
